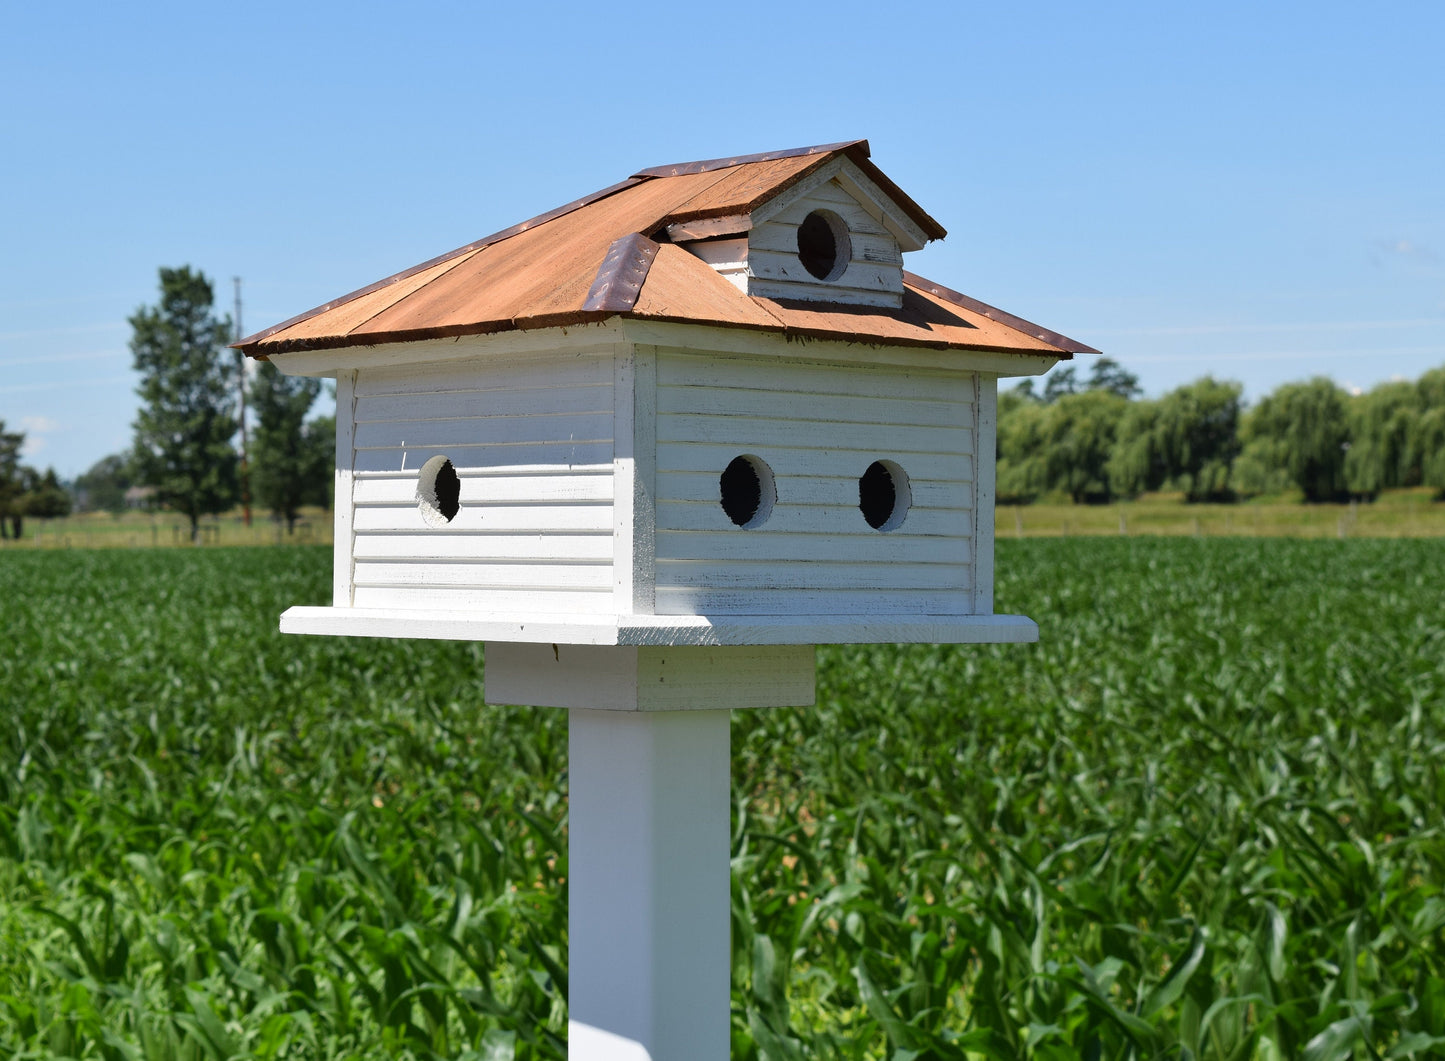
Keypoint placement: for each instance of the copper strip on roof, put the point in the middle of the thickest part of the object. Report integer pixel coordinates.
(706, 165)
(993, 313)
(485, 241)
(621, 275)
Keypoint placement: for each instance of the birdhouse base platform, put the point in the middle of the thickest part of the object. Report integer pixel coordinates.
(646, 630)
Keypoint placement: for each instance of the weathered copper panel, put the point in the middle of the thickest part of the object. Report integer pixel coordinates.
(621, 275)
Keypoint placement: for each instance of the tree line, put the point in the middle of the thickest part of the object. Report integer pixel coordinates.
(1095, 439)
(186, 430)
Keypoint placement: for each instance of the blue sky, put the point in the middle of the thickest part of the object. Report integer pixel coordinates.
(1254, 191)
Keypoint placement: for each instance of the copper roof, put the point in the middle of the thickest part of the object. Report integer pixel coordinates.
(596, 258)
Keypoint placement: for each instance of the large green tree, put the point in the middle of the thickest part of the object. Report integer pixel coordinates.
(291, 460)
(1303, 429)
(184, 428)
(1188, 438)
(1078, 432)
(1021, 473)
(1384, 426)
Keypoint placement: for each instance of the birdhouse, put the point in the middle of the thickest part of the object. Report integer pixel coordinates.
(705, 406)
(651, 447)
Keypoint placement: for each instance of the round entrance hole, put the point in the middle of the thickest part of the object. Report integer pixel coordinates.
(823, 245)
(747, 492)
(883, 495)
(438, 492)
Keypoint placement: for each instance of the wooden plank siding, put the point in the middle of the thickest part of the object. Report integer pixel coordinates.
(818, 427)
(532, 444)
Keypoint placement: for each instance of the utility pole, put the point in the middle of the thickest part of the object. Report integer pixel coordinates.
(241, 385)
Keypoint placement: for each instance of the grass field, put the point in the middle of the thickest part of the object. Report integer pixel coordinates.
(1204, 818)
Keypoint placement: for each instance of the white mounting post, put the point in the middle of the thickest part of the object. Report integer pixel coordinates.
(648, 843)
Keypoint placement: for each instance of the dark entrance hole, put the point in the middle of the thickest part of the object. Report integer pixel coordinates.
(746, 491)
(883, 495)
(449, 491)
(439, 492)
(823, 245)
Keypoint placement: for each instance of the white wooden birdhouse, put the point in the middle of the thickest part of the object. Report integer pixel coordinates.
(704, 406)
(651, 447)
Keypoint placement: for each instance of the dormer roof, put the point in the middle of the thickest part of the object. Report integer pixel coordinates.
(619, 252)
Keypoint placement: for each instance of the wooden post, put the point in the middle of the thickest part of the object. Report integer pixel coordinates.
(648, 833)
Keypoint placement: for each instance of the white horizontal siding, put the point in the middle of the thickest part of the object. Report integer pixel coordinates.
(815, 519)
(504, 458)
(462, 573)
(818, 427)
(518, 425)
(390, 488)
(488, 599)
(531, 441)
(692, 600)
(493, 519)
(815, 491)
(492, 374)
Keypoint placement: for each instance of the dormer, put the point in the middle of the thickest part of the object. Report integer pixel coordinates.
(834, 236)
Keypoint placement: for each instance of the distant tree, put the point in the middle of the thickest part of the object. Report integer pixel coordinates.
(184, 428)
(12, 476)
(102, 488)
(1021, 473)
(287, 462)
(1303, 429)
(1061, 380)
(1383, 427)
(1108, 375)
(47, 498)
(1198, 432)
(1138, 461)
(1428, 445)
(1431, 440)
(1079, 432)
(1024, 390)
(321, 437)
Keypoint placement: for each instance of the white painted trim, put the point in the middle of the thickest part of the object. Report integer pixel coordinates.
(566, 628)
(651, 678)
(343, 547)
(985, 447)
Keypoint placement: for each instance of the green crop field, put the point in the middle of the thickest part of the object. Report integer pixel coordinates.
(1204, 818)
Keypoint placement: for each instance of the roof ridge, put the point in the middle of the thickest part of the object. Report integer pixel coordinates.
(677, 169)
(1001, 316)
